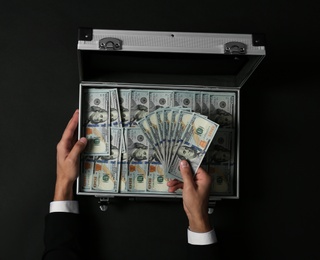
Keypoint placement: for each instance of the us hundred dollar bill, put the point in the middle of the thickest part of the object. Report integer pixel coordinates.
(115, 115)
(221, 150)
(123, 163)
(137, 148)
(124, 141)
(198, 102)
(124, 103)
(184, 121)
(105, 177)
(175, 130)
(107, 168)
(171, 118)
(139, 106)
(197, 140)
(184, 99)
(124, 166)
(221, 176)
(87, 167)
(167, 115)
(160, 99)
(116, 142)
(160, 119)
(96, 120)
(152, 121)
(148, 133)
(156, 181)
(222, 109)
(205, 98)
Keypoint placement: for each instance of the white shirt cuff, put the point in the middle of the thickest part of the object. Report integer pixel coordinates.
(69, 206)
(206, 238)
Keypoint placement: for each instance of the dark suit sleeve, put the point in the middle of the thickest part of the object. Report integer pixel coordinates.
(61, 236)
(203, 252)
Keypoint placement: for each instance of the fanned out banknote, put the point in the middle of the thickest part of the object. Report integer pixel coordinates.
(176, 134)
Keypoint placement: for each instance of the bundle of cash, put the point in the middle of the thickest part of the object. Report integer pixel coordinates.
(219, 162)
(177, 134)
(137, 138)
(101, 173)
(100, 111)
(137, 150)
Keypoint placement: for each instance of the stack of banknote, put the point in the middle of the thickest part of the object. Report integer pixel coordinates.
(177, 134)
(137, 138)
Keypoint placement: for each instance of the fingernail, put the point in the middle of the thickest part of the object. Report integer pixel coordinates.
(83, 140)
(184, 164)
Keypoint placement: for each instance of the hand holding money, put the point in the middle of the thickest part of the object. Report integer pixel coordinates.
(68, 151)
(195, 196)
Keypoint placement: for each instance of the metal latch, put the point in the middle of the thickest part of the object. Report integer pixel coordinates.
(103, 203)
(110, 44)
(211, 207)
(235, 48)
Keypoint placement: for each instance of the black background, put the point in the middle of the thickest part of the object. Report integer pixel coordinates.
(277, 215)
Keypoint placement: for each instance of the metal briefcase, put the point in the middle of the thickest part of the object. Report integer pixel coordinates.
(209, 68)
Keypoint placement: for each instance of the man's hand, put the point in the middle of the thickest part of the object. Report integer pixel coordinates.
(68, 151)
(195, 196)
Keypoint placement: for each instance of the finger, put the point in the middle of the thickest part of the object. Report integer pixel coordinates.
(202, 175)
(176, 187)
(75, 137)
(77, 149)
(202, 178)
(173, 182)
(186, 173)
(69, 132)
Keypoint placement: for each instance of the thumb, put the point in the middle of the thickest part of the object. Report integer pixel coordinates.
(186, 173)
(78, 148)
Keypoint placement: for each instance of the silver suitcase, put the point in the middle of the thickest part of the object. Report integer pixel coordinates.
(210, 67)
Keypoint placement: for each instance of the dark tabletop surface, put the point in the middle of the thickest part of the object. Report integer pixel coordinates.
(277, 215)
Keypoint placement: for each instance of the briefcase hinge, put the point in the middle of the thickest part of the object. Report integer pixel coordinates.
(110, 44)
(235, 48)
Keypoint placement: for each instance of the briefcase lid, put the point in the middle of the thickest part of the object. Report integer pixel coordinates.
(179, 58)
